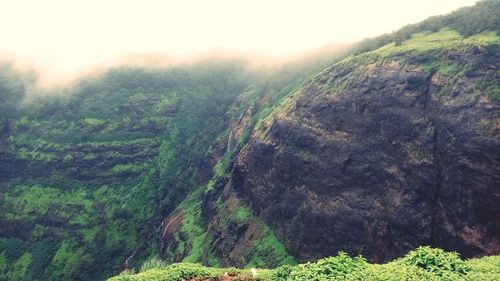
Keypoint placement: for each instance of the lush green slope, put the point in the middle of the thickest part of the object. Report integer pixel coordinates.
(422, 264)
(88, 173)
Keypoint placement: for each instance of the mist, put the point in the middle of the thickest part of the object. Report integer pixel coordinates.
(65, 40)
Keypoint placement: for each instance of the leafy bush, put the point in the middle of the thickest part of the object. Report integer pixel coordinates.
(282, 272)
(392, 272)
(486, 268)
(174, 272)
(324, 269)
(436, 261)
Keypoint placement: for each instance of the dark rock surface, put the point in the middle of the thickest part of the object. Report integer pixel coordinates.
(376, 158)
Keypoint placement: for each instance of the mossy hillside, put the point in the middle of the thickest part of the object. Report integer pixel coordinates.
(57, 225)
(13, 86)
(94, 166)
(428, 50)
(423, 263)
(29, 203)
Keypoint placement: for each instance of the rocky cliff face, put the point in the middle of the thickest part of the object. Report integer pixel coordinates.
(382, 153)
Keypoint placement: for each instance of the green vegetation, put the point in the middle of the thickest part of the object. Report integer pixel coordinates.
(467, 21)
(182, 271)
(424, 263)
(89, 170)
(268, 251)
(441, 41)
(339, 267)
(436, 261)
(193, 244)
(28, 203)
(242, 214)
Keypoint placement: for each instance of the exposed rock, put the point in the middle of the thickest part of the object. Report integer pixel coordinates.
(378, 158)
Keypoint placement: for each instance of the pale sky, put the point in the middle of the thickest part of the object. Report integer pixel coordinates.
(65, 35)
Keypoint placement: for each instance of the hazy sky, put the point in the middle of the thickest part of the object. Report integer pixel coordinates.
(63, 35)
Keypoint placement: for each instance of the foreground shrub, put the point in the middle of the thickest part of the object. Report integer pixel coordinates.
(174, 272)
(392, 272)
(435, 261)
(324, 269)
(484, 269)
(424, 263)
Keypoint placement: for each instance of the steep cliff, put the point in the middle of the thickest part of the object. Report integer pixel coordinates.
(383, 152)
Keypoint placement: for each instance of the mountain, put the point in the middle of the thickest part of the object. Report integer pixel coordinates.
(383, 152)
(373, 149)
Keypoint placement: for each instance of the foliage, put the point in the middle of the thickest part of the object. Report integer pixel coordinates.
(28, 203)
(486, 268)
(435, 261)
(175, 272)
(90, 167)
(482, 17)
(340, 266)
(424, 263)
(242, 214)
(192, 226)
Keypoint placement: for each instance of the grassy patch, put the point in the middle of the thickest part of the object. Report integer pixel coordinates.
(28, 203)
(269, 251)
(242, 214)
